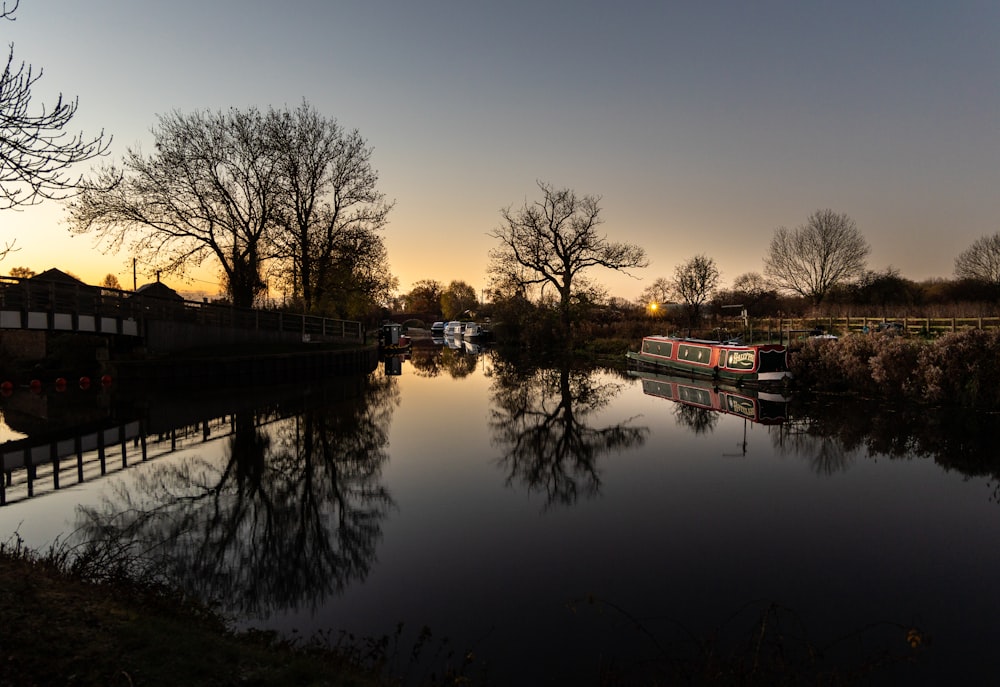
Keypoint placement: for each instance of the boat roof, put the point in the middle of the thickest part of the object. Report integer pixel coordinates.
(708, 342)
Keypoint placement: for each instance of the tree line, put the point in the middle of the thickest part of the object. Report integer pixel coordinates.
(288, 199)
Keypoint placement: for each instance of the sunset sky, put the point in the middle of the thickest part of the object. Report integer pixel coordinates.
(702, 125)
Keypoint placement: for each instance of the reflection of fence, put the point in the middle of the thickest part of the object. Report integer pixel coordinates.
(70, 306)
(31, 468)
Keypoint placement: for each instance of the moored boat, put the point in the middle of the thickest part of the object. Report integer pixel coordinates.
(392, 340)
(754, 364)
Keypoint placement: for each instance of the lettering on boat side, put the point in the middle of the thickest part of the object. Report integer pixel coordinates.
(740, 360)
(740, 406)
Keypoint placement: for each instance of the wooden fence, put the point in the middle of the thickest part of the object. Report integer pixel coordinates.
(789, 329)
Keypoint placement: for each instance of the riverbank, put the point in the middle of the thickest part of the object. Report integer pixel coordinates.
(59, 627)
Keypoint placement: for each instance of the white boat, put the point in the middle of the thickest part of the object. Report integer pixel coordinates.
(454, 329)
(477, 332)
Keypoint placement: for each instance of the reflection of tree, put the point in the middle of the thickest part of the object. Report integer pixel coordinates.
(832, 432)
(432, 361)
(426, 360)
(290, 514)
(699, 420)
(540, 418)
(826, 454)
(457, 362)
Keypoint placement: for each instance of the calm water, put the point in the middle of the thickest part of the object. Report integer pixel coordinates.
(555, 522)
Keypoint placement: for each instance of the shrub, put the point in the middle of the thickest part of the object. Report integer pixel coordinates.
(961, 368)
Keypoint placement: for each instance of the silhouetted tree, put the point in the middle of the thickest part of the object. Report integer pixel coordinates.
(35, 150)
(552, 242)
(659, 292)
(694, 282)
(110, 281)
(329, 207)
(813, 258)
(424, 297)
(980, 261)
(458, 298)
(209, 191)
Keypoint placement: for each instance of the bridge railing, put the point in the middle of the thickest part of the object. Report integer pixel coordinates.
(69, 298)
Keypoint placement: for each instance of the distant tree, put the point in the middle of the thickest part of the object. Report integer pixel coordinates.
(658, 292)
(355, 278)
(425, 297)
(886, 288)
(329, 204)
(752, 291)
(35, 150)
(210, 190)
(980, 261)
(553, 242)
(810, 260)
(458, 298)
(694, 282)
(110, 281)
(22, 272)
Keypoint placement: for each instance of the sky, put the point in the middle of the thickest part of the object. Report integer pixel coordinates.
(702, 126)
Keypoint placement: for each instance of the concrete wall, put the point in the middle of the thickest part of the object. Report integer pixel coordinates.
(168, 337)
(23, 344)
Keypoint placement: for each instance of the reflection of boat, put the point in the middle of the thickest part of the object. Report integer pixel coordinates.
(757, 364)
(393, 364)
(763, 407)
(475, 331)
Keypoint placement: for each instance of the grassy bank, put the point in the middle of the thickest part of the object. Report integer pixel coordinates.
(62, 627)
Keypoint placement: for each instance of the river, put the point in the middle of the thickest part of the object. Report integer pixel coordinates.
(545, 524)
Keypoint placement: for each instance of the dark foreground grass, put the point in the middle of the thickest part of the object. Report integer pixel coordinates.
(58, 628)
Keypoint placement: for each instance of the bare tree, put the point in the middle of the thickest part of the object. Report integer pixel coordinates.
(659, 292)
(22, 272)
(810, 260)
(110, 281)
(330, 196)
(35, 150)
(980, 261)
(209, 191)
(552, 242)
(694, 282)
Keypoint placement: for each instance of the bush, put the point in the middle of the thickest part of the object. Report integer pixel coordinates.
(961, 368)
(956, 369)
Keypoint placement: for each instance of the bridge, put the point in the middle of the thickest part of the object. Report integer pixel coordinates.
(156, 316)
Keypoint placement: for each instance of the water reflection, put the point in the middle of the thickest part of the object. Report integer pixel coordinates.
(542, 419)
(831, 432)
(456, 361)
(290, 514)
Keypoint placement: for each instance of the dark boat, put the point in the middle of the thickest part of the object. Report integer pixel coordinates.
(735, 363)
(392, 340)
